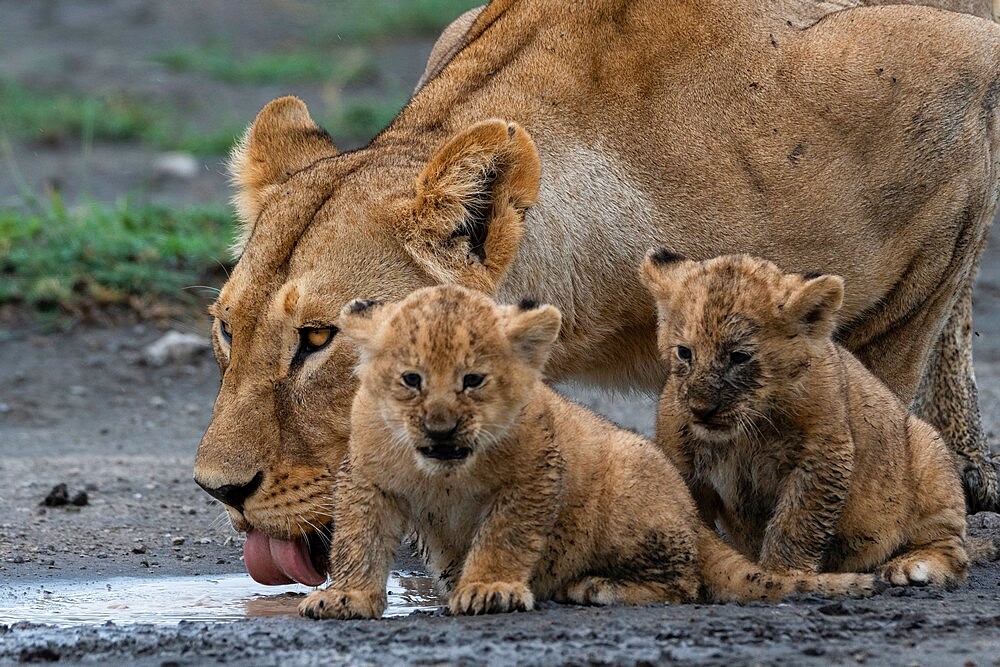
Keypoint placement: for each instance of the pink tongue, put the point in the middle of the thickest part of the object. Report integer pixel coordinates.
(273, 562)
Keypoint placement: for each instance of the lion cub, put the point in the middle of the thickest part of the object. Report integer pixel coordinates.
(806, 460)
(515, 494)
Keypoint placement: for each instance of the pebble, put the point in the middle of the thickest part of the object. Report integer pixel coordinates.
(177, 541)
(176, 164)
(174, 347)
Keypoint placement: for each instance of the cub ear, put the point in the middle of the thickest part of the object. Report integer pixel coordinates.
(471, 199)
(282, 140)
(660, 270)
(531, 330)
(813, 305)
(360, 320)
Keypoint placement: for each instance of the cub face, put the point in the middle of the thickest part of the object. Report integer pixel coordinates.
(737, 336)
(448, 369)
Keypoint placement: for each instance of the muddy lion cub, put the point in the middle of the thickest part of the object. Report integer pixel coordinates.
(805, 459)
(514, 493)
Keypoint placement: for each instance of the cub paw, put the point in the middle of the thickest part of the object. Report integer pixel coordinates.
(343, 605)
(491, 598)
(591, 591)
(915, 572)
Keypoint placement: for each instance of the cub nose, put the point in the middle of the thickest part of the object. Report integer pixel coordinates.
(233, 495)
(704, 410)
(437, 433)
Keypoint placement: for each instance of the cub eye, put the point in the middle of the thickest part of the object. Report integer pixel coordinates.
(227, 333)
(473, 381)
(412, 380)
(737, 358)
(684, 353)
(313, 340)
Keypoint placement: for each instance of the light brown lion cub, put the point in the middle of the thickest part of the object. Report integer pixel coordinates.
(806, 460)
(514, 493)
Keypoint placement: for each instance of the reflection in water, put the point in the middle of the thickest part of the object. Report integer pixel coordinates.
(169, 600)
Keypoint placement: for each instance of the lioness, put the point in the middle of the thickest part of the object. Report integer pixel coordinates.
(806, 459)
(515, 493)
(627, 124)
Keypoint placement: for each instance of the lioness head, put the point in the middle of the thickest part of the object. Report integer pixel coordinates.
(448, 369)
(737, 334)
(319, 229)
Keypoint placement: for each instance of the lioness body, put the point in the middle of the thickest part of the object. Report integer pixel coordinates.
(806, 460)
(527, 496)
(650, 122)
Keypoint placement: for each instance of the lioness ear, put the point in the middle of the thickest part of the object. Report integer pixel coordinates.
(282, 140)
(360, 320)
(660, 270)
(813, 306)
(471, 199)
(531, 330)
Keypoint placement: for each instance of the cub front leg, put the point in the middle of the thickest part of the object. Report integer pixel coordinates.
(367, 528)
(497, 571)
(811, 502)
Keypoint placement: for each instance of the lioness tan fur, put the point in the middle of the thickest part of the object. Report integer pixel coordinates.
(625, 124)
(806, 460)
(453, 38)
(515, 494)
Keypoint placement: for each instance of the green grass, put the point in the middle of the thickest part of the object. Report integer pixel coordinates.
(55, 116)
(356, 20)
(343, 66)
(57, 257)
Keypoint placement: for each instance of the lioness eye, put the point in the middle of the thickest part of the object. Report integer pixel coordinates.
(684, 353)
(737, 358)
(412, 380)
(473, 381)
(227, 333)
(313, 340)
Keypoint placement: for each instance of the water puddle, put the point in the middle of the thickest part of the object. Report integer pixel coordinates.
(169, 600)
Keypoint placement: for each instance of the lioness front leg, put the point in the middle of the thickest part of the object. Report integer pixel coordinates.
(367, 530)
(497, 571)
(948, 398)
(811, 502)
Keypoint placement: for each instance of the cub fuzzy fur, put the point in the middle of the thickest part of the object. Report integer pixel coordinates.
(515, 494)
(805, 459)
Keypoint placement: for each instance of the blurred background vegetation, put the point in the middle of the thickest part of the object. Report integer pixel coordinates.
(116, 117)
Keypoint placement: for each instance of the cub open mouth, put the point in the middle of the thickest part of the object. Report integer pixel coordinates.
(445, 452)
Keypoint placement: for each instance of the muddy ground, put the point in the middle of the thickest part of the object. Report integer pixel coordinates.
(81, 408)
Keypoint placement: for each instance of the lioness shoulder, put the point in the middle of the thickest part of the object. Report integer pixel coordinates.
(806, 459)
(516, 495)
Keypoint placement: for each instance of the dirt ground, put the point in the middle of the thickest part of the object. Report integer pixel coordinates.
(81, 408)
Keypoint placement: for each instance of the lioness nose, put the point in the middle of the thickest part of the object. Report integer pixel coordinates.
(233, 495)
(704, 410)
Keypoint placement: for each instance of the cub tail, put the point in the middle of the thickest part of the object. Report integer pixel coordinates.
(730, 577)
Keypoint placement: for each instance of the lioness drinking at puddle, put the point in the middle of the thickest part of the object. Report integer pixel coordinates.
(623, 124)
(516, 495)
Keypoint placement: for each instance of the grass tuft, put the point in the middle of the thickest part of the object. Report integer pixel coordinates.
(345, 66)
(58, 257)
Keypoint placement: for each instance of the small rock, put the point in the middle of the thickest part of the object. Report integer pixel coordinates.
(139, 549)
(157, 402)
(188, 510)
(203, 540)
(80, 499)
(58, 496)
(177, 541)
(174, 347)
(179, 165)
